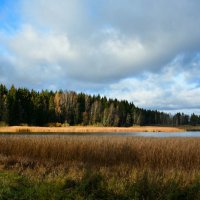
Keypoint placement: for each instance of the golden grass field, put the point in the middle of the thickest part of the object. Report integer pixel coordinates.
(92, 129)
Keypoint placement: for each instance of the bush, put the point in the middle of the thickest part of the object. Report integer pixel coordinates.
(3, 124)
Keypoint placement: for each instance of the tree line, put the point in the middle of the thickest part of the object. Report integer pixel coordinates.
(22, 106)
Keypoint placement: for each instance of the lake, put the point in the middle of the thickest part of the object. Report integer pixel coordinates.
(131, 134)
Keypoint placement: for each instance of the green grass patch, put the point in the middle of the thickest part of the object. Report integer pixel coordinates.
(93, 186)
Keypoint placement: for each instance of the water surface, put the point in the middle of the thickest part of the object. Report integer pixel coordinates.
(131, 134)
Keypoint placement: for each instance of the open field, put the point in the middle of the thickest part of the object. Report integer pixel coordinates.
(16, 129)
(92, 167)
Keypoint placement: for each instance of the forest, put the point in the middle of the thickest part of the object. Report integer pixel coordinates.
(20, 106)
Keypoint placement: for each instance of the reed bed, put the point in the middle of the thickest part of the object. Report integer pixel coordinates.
(152, 153)
(89, 129)
(89, 167)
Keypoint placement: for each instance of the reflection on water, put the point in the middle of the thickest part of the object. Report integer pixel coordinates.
(138, 134)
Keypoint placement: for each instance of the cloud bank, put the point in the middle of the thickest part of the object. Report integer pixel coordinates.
(143, 51)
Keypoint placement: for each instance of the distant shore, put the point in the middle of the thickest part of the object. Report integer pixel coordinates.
(84, 129)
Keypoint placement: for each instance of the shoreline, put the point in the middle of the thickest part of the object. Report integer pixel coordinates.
(88, 129)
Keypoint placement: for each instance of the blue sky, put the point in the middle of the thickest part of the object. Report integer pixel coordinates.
(9, 16)
(145, 51)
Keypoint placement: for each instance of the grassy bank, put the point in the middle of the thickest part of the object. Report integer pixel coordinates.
(190, 128)
(99, 168)
(92, 129)
(94, 186)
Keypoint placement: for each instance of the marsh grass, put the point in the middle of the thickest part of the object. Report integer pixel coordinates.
(89, 129)
(23, 130)
(154, 153)
(78, 167)
(191, 128)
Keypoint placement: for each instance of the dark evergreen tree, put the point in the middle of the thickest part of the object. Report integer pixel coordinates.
(3, 103)
(12, 107)
(194, 120)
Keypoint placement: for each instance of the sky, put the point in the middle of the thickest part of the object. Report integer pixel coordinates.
(144, 51)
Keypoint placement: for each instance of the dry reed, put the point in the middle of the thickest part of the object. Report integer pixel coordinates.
(153, 153)
(90, 129)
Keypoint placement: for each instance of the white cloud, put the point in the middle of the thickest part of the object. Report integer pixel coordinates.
(119, 37)
(32, 45)
(168, 90)
(125, 48)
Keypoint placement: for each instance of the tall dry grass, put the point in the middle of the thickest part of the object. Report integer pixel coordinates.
(91, 167)
(151, 153)
(89, 129)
